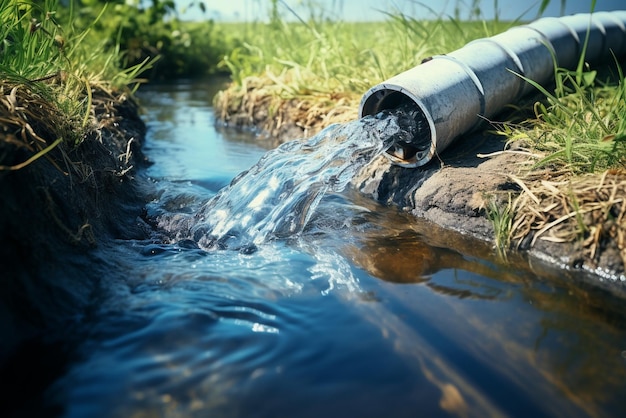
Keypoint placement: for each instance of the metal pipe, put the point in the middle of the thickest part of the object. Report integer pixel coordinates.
(454, 92)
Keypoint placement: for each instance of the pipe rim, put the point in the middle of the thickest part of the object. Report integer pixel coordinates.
(381, 93)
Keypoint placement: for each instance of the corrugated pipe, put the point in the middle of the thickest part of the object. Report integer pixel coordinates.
(454, 92)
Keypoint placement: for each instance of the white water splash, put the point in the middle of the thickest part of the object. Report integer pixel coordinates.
(277, 196)
(334, 269)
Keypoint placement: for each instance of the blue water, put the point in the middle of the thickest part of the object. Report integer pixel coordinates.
(365, 313)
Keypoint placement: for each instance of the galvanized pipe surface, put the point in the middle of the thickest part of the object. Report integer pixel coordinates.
(454, 92)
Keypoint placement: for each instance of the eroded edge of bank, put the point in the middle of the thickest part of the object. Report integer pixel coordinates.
(59, 207)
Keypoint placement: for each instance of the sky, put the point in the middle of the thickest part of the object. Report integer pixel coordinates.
(372, 10)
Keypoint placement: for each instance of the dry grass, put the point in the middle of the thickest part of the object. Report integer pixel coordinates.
(259, 103)
(559, 207)
(30, 126)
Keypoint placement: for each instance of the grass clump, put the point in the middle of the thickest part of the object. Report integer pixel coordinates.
(500, 215)
(47, 75)
(582, 129)
(574, 189)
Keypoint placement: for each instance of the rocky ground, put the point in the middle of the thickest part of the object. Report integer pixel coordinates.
(453, 192)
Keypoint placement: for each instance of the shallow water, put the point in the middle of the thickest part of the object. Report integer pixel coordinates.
(366, 313)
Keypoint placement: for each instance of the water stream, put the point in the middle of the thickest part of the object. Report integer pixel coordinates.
(277, 196)
(281, 292)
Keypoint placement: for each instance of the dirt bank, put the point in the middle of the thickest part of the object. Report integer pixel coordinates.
(453, 191)
(58, 207)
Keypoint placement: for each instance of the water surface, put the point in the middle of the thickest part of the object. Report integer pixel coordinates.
(366, 312)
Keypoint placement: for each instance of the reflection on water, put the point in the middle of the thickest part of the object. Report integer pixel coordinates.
(553, 333)
(367, 313)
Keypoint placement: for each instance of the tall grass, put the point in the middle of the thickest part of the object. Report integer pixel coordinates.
(347, 57)
(581, 125)
(33, 44)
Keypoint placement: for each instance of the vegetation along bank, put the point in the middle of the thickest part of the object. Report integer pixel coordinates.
(70, 148)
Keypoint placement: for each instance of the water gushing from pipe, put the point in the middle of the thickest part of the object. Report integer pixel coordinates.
(277, 196)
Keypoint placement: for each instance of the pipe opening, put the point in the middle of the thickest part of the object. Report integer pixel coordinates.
(414, 147)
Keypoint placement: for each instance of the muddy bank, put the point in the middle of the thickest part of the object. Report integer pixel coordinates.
(55, 210)
(452, 191)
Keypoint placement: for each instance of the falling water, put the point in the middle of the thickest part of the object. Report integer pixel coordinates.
(276, 197)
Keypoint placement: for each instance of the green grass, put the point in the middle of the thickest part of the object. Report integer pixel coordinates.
(42, 50)
(581, 124)
(501, 216)
(36, 48)
(344, 57)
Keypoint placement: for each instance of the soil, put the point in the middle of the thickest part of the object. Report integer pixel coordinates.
(56, 210)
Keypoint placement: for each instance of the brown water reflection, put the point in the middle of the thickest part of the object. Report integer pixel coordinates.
(531, 331)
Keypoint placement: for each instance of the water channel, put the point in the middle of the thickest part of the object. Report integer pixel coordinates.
(366, 313)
